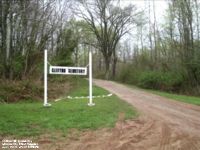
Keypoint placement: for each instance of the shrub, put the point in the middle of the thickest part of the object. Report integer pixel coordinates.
(127, 75)
(168, 81)
(14, 91)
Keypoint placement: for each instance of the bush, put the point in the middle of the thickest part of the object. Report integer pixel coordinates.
(128, 75)
(33, 90)
(167, 81)
(14, 91)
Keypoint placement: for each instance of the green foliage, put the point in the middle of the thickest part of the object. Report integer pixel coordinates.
(168, 81)
(1, 68)
(20, 91)
(32, 89)
(18, 66)
(66, 45)
(128, 75)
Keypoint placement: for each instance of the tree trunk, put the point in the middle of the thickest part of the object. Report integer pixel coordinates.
(150, 32)
(114, 67)
(154, 33)
(107, 65)
(8, 40)
(197, 19)
(99, 61)
(76, 56)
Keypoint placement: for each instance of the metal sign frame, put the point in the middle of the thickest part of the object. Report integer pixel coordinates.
(67, 71)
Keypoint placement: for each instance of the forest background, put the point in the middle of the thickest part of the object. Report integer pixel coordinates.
(130, 44)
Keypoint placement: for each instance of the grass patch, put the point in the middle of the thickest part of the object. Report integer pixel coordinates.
(29, 119)
(82, 89)
(182, 98)
(177, 97)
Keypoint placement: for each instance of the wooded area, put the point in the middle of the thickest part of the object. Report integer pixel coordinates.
(27, 28)
(171, 59)
(129, 44)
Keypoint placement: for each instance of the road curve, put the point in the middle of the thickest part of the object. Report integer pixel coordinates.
(177, 124)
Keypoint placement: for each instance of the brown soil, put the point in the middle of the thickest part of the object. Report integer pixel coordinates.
(163, 125)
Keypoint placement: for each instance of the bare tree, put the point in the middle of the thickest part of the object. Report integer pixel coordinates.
(109, 23)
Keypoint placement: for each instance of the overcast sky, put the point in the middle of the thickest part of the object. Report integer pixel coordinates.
(160, 10)
(160, 6)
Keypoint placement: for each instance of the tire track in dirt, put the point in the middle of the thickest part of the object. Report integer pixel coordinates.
(165, 138)
(179, 123)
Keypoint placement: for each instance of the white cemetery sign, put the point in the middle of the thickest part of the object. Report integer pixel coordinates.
(67, 71)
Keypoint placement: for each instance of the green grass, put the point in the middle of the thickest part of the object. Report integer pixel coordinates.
(177, 97)
(182, 98)
(30, 119)
(82, 89)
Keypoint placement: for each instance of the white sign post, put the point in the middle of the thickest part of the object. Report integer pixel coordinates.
(90, 80)
(46, 104)
(67, 71)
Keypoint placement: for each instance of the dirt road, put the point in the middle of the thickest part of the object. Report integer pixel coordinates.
(178, 124)
(163, 125)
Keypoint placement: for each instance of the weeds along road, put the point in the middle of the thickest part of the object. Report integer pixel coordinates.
(165, 124)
